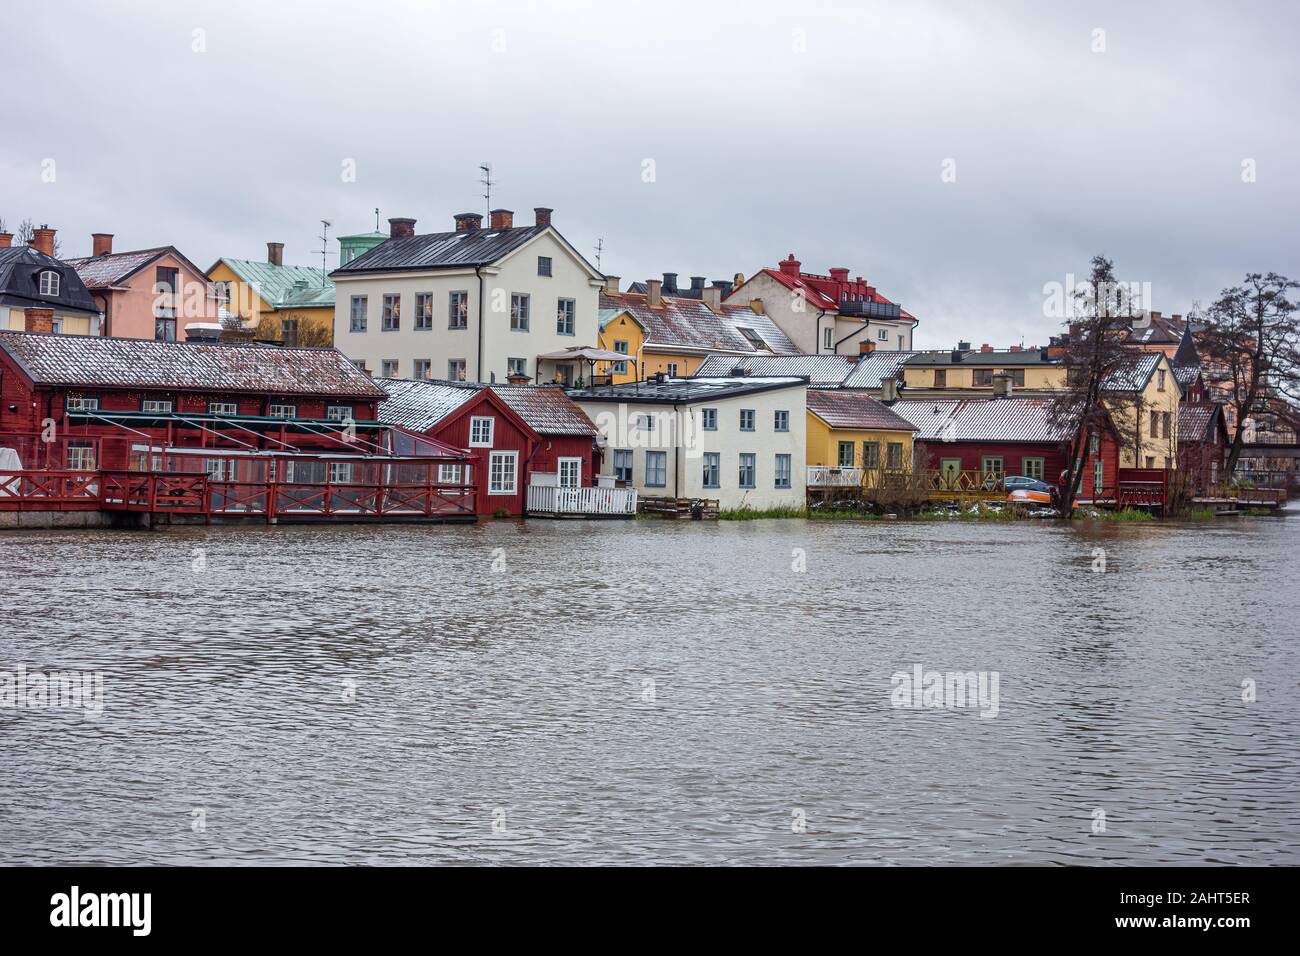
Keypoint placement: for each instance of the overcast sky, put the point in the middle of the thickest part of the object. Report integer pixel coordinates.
(822, 129)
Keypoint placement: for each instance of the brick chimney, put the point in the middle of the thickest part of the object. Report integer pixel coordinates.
(1155, 316)
(611, 285)
(986, 347)
(790, 266)
(653, 293)
(518, 378)
(275, 253)
(6, 240)
(839, 274)
(756, 305)
(40, 320)
(43, 240)
(543, 215)
(468, 222)
(401, 228)
(1017, 348)
(502, 219)
(670, 283)
(101, 243)
(866, 347)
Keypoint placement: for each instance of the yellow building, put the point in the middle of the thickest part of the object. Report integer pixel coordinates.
(1028, 369)
(291, 304)
(850, 429)
(1149, 395)
(620, 331)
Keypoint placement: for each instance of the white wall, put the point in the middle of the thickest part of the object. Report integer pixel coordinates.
(804, 329)
(685, 465)
(516, 273)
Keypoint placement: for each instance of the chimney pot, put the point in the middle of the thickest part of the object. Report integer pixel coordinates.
(865, 347)
(756, 305)
(986, 347)
(724, 286)
(399, 228)
(653, 293)
(790, 266)
(670, 283)
(101, 243)
(6, 240)
(43, 240)
(611, 285)
(542, 215)
(963, 346)
(275, 253)
(839, 274)
(468, 222)
(1155, 315)
(697, 283)
(501, 219)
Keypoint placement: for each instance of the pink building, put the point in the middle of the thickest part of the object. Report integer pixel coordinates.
(148, 294)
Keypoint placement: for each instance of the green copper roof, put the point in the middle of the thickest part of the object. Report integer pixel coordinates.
(286, 287)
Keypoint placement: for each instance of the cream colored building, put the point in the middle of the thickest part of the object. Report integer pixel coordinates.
(472, 304)
(737, 440)
(1150, 395)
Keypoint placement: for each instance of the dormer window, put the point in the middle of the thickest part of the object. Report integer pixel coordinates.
(49, 282)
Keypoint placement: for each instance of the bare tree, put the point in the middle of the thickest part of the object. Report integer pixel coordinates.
(1097, 367)
(1251, 345)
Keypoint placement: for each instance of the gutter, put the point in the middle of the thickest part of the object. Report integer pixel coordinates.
(478, 375)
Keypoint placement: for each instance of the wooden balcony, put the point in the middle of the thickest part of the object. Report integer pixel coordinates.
(556, 502)
(824, 476)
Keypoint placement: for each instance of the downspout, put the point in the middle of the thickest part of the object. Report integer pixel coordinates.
(478, 375)
(865, 325)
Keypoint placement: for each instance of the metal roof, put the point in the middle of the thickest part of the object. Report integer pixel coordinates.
(101, 362)
(283, 287)
(874, 367)
(857, 410)
(691, 324)
(546, 409)
(974, 358)
(818, 369)
(420, 405)
(682, 390)
(983, 420)
(19, 268)
(441, 250)
(1133, 377)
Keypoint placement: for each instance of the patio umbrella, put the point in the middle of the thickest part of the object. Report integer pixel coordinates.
(589, 354)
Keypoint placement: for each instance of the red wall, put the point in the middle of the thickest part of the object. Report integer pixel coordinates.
(506, 436)
(1055, 458)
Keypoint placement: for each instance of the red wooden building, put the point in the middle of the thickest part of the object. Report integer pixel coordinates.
(1202, 445)
(522, 437)
(1009, 436)
(88, 422)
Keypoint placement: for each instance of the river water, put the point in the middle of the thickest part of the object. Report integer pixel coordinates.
(655, 692)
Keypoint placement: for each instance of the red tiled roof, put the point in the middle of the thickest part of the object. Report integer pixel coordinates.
(546, 409)
(823, 292)
(100, 362)
(841, 409)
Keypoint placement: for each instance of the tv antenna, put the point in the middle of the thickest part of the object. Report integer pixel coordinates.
(600, 247)
(486, 181)
(324, 244)
(376, 219)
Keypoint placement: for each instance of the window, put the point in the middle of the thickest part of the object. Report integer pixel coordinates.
(894, 455)
(747, 469)
(709, 419)
(423, 311)
(357, 321)
(991, 466)
(1151, 461)
(1165, 419)
(752, 337)
(871, 454)
(219, 469)
(672, 369)
(570, 472)
(340, 472)
(1155, 424)
(846, 454)
(1032, 468)
(782, 472)
(543, 265)
(156, 406)
(457, 310)
(1094, 443)
(1098, 477)
(828, 339)
(901, 346)
(221, 292)
(781, 420)
(656, 469)
(359, 364)
(941, 378)
(982, 376)
(388, 368)
(746, 419)
(516, 366)
(289, 331)
(1017, 376)
(223, 408)
(166, 280)
(623, 464)
(449, 474)
(56, 324)
(645, 423)
(81, 456)
(392, 320)
(282, 411)
(883, 335)
(565, 309)
(480, 431)
(1160, 379)
(81, 403)
(49, 283)
(519, 306)
(338, 413)
(712, 469)
(455, 370)
(164, 327)
(620, 368)
(422, 369)
(502, 468)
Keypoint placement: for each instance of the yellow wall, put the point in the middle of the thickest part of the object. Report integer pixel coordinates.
(249, 306)
(71, 323)
(658, 362)
(963, 376)
(621, 329)
(1155, 400)
(824, 443)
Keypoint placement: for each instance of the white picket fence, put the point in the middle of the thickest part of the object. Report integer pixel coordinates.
(549, 499)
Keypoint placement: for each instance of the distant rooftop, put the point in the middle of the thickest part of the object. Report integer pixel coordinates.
(682, 390)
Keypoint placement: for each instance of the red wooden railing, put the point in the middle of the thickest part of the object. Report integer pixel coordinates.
(49, 490)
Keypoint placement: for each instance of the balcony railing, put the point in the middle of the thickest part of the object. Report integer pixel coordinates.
(824, 476)
(554, 500)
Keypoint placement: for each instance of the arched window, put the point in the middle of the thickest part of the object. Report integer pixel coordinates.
(49, 283)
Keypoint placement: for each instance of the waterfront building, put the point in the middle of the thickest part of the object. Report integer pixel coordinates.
(826, 314)
(147, 294)
(289, 304)
(472, 304)
(39, 293)
(852, 436)
(739, 441)
(673, 336)
(964, 370)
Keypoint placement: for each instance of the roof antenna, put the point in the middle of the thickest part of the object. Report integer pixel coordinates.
(324, 246)
(486, 182)
(600, 245)
(376, 219)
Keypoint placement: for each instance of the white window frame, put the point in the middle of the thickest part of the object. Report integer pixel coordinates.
(338, 413)
(363, 313)
(81, 404)
(280, 410)
(575, 464)
(521, 309)
(388, 368)
(223, 408)
(672, 369)
(49, 282)
(500, 488)
(476, 423)
(828, 339)
(449, 474)
(154, 406)
(84, 457)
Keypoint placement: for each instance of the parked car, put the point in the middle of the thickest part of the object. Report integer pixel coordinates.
(1031, 490)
